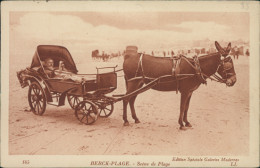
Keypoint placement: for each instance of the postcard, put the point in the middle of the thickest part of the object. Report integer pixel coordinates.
(130, 84)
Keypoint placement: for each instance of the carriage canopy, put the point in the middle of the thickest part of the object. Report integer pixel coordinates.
(56, 53)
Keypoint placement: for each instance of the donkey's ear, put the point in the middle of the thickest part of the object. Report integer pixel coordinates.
(219, 48)
(228, 48)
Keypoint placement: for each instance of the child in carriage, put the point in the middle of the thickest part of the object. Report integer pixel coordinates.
(60, 72)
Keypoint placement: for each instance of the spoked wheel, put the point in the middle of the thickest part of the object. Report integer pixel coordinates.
(86, 112)
(73, 100)
(105, 108)
(36, 98)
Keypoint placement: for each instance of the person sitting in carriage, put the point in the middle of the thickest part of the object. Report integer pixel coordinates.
(60, 72)
(49, 67)
(62, 66)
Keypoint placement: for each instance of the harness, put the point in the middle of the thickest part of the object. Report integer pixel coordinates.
(223, 63)
(176, 70)
(176, 61)
(140, 64)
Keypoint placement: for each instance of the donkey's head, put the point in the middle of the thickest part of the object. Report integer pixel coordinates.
(226, 68)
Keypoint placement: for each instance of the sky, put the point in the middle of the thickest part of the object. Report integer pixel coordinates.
(83, 32)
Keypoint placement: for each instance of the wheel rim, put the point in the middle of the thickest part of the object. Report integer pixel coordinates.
(36, 99)
(105, 109)
(86, 112)
(73, 101)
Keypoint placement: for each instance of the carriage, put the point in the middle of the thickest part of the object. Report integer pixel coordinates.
(86, 93)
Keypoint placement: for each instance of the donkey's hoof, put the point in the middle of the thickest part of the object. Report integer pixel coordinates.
(183, 128)
(137, 121)
(188, 125)
(126, 123)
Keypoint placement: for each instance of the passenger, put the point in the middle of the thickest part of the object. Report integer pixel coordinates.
(61, 72)
(49, 67)
(49, 64)
(62, 66)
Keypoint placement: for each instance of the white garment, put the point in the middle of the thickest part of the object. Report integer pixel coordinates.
(71, 76)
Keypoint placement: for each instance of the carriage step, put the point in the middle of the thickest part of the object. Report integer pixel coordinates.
(119, 95)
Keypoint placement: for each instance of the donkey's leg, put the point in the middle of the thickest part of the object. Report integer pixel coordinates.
(125, 103)
(184, 98)
(185, 119)
(131, 86)
(132, 101)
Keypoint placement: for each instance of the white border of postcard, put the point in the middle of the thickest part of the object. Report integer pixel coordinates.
(252, 7)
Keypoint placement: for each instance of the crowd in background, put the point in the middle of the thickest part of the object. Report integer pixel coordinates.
(236, 51)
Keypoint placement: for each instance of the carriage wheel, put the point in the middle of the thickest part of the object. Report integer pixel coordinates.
(73, 100)
(86, 112)
(105, 109)
(36, 98)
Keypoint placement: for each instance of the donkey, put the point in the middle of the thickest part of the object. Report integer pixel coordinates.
(139, 69)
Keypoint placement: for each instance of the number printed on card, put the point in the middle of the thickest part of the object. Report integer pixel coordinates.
(26, 162)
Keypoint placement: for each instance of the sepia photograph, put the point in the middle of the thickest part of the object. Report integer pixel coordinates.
(130, 84)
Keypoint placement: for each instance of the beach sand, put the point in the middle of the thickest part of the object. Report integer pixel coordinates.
(219, 115)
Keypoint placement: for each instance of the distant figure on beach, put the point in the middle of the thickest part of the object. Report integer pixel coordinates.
(236, 52)
(103, 55)
(152, 53)
(172, 53)
(233, 52)
(247, 52)
(164, 53)
(197, 51)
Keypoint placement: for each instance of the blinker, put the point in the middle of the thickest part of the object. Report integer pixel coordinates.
(227, 65)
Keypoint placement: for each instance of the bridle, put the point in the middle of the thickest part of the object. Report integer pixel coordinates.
(222, 65)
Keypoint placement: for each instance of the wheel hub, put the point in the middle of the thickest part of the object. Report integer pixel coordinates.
(102, 105)
(35, 97)
(86, 112)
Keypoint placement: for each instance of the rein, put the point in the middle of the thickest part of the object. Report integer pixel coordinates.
(216, 78)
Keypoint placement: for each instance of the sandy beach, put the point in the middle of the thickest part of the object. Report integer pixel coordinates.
(219, 115)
